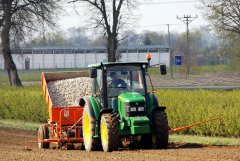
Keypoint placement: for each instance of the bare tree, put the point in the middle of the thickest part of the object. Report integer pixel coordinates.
(224, 14)
(109, 16)
(17, 18)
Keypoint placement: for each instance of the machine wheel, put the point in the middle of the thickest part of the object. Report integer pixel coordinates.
(88, 128)
(109, 132)
(43, 133)
(161, 134)
(69, 146)
(145, 141)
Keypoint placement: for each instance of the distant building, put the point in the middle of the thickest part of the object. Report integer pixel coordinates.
(72, 57)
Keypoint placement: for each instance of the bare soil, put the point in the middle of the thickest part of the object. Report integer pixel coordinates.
(14, 145)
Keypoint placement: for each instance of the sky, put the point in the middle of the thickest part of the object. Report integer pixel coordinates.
(150, 16)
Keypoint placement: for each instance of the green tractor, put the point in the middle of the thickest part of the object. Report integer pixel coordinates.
(120, 110)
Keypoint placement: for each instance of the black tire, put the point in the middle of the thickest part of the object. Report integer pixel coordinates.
(69, 146)
(88, 128)
(160, 131)
(43, 133)
(109, 132)
(145, 141)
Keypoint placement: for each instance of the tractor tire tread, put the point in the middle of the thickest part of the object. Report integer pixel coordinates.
(112, 132)
(161, 129)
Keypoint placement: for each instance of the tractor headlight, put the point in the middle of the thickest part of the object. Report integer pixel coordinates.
(133, 109)
(140, 108)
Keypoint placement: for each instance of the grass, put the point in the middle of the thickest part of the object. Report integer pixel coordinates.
(19, 124)
(194, 71)
(33, 74)
(204, 140)
(208, 68)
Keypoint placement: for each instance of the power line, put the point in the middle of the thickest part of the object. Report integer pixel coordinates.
(187, 19)
(169, 2)
(149, 3)
(156, 3)
(148, 26)
(157, 25)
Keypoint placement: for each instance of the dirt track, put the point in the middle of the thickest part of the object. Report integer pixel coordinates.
(14, 145)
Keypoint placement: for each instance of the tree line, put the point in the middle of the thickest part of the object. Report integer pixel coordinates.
(19, 18)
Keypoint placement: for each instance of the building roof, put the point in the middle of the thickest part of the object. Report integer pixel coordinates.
(108, 64)
(142, 47)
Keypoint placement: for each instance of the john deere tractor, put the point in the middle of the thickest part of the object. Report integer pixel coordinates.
(121, 111)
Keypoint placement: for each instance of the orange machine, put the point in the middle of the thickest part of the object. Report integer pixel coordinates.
(65, 123)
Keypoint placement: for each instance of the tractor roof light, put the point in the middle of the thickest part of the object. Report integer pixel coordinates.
(148, 57)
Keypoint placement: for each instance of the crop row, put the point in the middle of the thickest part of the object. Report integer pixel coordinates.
(22, 103)
(188, 107)
(183, 108)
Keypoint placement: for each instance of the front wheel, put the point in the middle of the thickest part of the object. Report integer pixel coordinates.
(109, 132)
(161, 135)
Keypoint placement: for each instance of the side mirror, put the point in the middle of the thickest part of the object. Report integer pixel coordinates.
(93, 73)
(163, 69)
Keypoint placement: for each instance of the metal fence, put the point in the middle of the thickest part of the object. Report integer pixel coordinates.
(67, 57)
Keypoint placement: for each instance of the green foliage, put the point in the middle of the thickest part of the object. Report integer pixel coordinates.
(234, 48)
(183, 108)
(188, 107)
(22, 103)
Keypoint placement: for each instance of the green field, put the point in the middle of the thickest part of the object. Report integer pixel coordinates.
(186, 107)
(22, 103)
(32, 75)
(195, 70)
(183, 108)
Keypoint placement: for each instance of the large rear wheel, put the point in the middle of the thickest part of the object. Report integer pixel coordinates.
(109, 132)
(145, 141)
(43, 133)
(161, 135)
(89, 124)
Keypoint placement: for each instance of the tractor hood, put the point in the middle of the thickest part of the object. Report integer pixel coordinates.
(131, 104)
(132, 110)
(131, 97)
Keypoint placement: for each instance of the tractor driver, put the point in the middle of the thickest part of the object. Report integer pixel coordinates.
(115, 82)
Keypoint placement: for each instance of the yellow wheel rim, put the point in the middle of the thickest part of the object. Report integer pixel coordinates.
(104, 136)
(86, 128)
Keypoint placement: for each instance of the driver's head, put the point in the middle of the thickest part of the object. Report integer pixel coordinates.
(113, 75)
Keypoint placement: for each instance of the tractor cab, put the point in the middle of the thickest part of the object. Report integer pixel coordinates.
(114, 81)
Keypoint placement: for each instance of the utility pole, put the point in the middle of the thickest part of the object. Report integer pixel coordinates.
(187, 19)
(170, 52)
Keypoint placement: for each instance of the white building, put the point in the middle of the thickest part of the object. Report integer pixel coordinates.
(72, 57)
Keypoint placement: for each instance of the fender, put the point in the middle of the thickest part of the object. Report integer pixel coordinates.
(94, 109)
(159, 108)
(103, 111)
(153, 103)
(92, 105)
